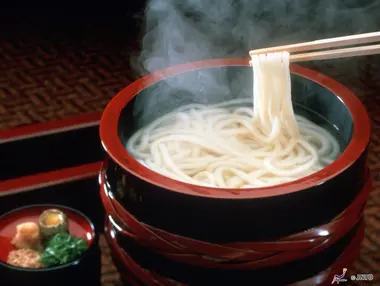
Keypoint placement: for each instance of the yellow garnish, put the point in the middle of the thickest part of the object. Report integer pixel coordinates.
(53, 219)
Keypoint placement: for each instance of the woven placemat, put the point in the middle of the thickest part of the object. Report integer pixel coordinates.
(46, 76)
(110, 276)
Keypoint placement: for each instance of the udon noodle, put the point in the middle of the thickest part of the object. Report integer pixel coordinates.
(231, 145)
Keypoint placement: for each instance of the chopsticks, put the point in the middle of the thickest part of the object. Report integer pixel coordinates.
(328, 43)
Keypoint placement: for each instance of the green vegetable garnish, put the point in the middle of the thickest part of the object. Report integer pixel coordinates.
(62, 248)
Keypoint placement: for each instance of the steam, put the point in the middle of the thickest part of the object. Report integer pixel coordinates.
(179, 31)
(188, 30)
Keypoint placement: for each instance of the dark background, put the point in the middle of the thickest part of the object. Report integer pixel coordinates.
(80, 20)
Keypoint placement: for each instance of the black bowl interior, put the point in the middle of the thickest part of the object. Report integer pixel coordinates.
(218, 84)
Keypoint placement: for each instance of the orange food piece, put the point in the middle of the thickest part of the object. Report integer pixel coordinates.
(53, 219)
(28, 235)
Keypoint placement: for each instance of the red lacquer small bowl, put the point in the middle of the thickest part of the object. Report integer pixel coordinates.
(79, 226)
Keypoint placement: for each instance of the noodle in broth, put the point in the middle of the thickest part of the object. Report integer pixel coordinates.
(230, 145)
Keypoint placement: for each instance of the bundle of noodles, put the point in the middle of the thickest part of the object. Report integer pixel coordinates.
(230, 145)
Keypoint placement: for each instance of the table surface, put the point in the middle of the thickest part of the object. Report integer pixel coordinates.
(46, 76)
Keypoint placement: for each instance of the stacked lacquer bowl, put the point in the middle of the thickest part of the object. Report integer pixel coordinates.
(166, 232)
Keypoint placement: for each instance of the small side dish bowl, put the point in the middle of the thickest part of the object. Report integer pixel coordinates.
(72, 225)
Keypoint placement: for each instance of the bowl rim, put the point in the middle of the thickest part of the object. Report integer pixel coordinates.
(115, 149)
(54, 268)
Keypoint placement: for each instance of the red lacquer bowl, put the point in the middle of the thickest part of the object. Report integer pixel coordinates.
(79, 226)
(141, 246)
(113, 120)
(212, 231)
(233, 215)
(136, 275)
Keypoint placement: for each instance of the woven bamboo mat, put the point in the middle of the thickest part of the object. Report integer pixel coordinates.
(48, 76)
